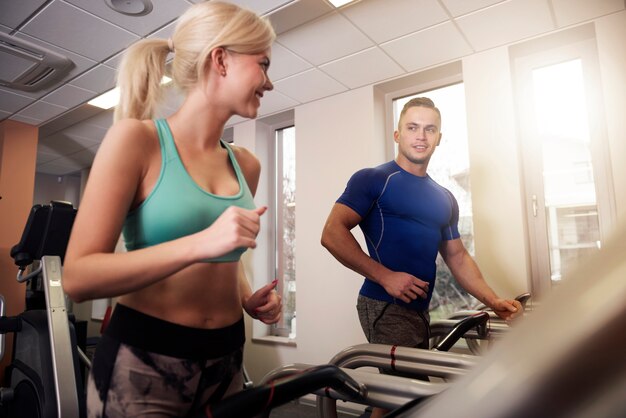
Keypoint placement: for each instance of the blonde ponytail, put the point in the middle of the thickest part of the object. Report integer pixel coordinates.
(139, 79)
(202, 28)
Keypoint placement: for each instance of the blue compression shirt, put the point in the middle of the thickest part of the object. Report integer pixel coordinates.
(404, 220)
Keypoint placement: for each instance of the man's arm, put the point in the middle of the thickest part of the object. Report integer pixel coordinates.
(466, 272)
(337, 238)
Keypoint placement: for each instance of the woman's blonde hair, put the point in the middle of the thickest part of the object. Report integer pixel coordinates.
(202, 28)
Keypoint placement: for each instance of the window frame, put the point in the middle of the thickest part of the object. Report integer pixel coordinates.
(576, 43)
(423, 82)
(263, 262)
(282, 328)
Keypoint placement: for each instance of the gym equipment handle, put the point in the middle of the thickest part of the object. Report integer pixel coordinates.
(477, 320)
(252, 402)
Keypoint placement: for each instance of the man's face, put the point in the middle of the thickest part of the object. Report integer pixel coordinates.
(418, 134)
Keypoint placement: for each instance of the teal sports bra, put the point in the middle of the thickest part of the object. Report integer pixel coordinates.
(177, 206)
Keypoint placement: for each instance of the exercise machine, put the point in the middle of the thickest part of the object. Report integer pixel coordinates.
(566, 360)
(44, 379)
(339, 381)
(412, 363)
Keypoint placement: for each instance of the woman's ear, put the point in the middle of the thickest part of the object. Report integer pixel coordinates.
(217, 61)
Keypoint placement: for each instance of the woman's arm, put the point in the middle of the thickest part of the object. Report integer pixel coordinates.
(264, 304)
(92, 269)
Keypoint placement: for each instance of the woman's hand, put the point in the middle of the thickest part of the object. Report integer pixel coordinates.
(234, 228)
(265, 304)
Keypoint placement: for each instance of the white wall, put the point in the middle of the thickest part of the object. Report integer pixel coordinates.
(335, 137)
(498, 212)
(611, 36)
(50, 187)
(340, 134)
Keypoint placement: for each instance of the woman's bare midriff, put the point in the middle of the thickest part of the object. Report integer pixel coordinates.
(203, 295)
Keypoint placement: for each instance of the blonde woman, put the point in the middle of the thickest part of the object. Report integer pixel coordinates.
(183, 200)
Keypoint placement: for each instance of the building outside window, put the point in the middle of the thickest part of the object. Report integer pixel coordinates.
(285, 227)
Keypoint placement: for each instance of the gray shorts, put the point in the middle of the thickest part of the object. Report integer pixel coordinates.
(388, 323)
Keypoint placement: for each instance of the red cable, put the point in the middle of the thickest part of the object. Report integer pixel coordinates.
(393, 358)
(269, 399)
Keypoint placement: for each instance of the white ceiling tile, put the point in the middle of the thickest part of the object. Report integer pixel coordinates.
(83, 157)
(298, 13)
(24, 119)
(309, 85)
(574, 11)
(165, 32)
(340, 38)
(285, 63)
(101, 123)
(365, 67)
(64, 144)
(44, 157)
(88, 131)
(5, 29)
(58, 169)
(423, 49)
(273, 101)
(99, 79)
(461, 7)
(115, 60)
(18, 11)
(81, 32)
(163, 12)
(4, 115)
(262, 7)
(68, 95)
(12, 102)
(506, 22)
(383, 20)
(42, 111)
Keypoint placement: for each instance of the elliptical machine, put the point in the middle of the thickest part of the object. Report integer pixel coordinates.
(44, 379)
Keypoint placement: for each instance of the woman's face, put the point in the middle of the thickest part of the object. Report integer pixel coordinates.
(249, 81)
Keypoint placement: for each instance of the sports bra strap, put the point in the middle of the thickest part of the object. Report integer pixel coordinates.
(166, 139)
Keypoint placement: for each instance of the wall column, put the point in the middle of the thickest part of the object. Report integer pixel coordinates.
(18, 157)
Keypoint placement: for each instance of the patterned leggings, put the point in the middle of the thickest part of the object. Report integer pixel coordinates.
(130, 381)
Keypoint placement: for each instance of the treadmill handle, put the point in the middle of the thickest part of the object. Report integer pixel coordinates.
(473, 321)
(252, 402)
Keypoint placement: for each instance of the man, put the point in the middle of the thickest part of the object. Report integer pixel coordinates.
(406, 219)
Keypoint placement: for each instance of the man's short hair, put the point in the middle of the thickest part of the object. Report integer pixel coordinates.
(419, 102)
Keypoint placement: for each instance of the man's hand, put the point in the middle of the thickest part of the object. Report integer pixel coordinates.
(404, 286)
(507, 309)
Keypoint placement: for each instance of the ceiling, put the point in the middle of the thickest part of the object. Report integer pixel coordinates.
(320, 51)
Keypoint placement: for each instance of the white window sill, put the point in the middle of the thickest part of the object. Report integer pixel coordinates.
(273, 339)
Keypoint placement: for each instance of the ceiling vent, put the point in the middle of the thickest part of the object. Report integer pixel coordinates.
(29, 67)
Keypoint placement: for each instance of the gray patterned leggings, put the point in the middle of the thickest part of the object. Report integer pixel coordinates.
(130, 381)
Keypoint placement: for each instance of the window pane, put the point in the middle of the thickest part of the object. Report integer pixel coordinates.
(569, 189)
(286, 227)
(449, 166)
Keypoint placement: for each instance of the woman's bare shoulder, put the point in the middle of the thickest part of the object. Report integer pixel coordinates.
(246, 159)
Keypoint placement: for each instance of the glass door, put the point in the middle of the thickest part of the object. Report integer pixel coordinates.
(564, 152)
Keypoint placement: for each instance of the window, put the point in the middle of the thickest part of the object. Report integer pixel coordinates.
(285, 227)
(449, 166)
(564, 153)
